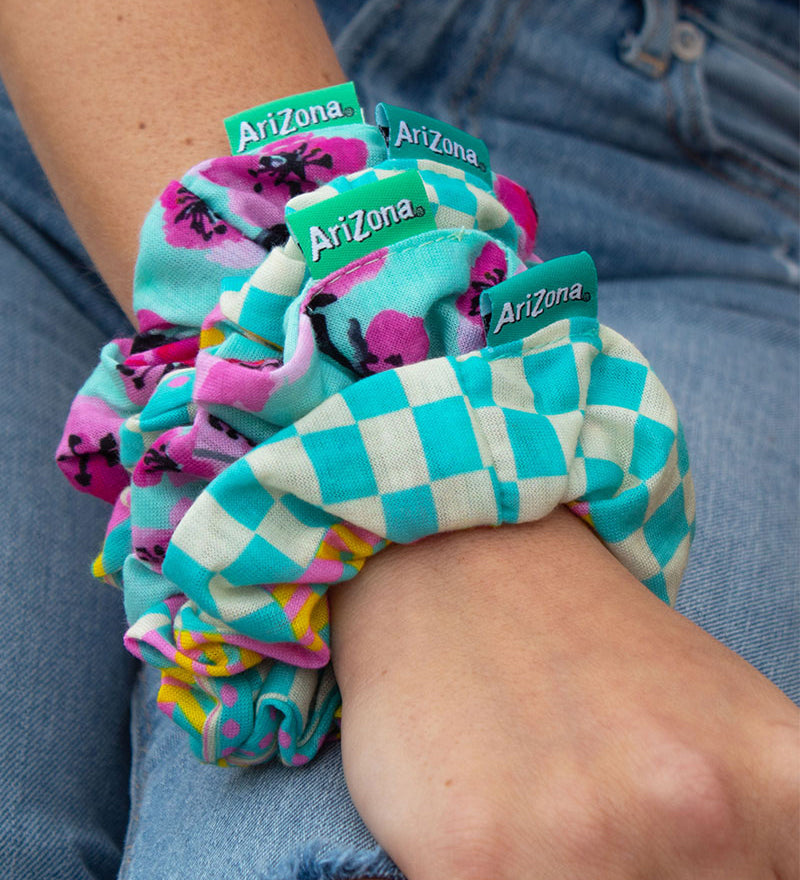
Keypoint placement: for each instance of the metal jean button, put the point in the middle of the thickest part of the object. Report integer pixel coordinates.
(688, 41)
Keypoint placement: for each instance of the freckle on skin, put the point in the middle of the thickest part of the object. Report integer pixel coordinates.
(120, 18)
(142, 125)
(188, 142)
(448, 782)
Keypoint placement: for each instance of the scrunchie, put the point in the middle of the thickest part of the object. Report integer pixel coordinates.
(265, 434)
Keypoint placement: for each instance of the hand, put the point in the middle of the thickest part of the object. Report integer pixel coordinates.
(518, 707)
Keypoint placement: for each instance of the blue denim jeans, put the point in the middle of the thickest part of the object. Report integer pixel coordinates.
(658, 136)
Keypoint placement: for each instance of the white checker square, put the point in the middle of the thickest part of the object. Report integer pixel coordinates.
(635, 554)
(282, 271)
(364, 512)
(331, 413)
(231, 301)
(450, 218)
(465, 500)
(510, 387)
(285, 466)
(656, 403)
(234, 603)
(673, 570)
(688, 497)
(576, 481)
(493, 427)
(539, 495)
(429, 381)
(281, 529)
(583, 354)
(616, 345)
(395, 451)
(484, 449)
(221, 539)
(491, 214)
(608, 433)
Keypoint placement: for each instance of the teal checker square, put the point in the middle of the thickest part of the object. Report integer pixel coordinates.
(652, 443)
(379, 394)
(658, 584)
(475, 375)
(448, 438)
(667, 527)
(616, 382)
(615, 520)
(552, 375)
(410, 514)
(683, 452)
(262, 313)
(183, 569)
(451, 192)
(260, 563)
(308, 514)
(603, 478)
(508, 494)
(537, 449)
(239, 492)
(341, 464)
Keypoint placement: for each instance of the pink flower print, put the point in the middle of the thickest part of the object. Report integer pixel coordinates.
(334, 287)
(261, 183)
(140, 381)
(160, 461)
(209, 447)
(489, 269)
(190, 223)
(150, 320)
(150, 545)
(392, 339)
(519, 203)
(240, 384)
(88, 453)
(152, 349)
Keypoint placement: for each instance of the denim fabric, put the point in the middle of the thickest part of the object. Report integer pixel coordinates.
(681, 180)
(64, 679)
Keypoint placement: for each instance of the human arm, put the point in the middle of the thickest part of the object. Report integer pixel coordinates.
(118, 100)
(516, 704)
(384, 624)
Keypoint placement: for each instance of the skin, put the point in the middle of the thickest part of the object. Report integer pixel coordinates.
(517, 705)
(587, 731)
(111, 126)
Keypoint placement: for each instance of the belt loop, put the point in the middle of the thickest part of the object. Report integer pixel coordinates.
(650, 50)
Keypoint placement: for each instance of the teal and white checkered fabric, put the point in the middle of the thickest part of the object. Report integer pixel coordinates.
(571, 415)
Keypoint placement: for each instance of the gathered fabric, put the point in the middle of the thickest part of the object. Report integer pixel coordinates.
(267, 432)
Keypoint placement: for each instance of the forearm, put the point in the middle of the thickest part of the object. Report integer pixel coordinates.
(516, 704)
(118, 100)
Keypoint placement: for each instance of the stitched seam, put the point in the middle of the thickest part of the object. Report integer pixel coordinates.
(454, 235)
(502, 50)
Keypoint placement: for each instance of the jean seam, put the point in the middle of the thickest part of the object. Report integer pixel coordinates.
(461, 105)
(706, 165)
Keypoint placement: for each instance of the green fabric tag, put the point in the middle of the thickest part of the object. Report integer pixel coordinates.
(410, 135)
(323, 108)
(562, 288)
(341, 229)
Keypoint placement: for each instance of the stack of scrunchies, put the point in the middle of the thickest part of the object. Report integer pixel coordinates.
(266, 431)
